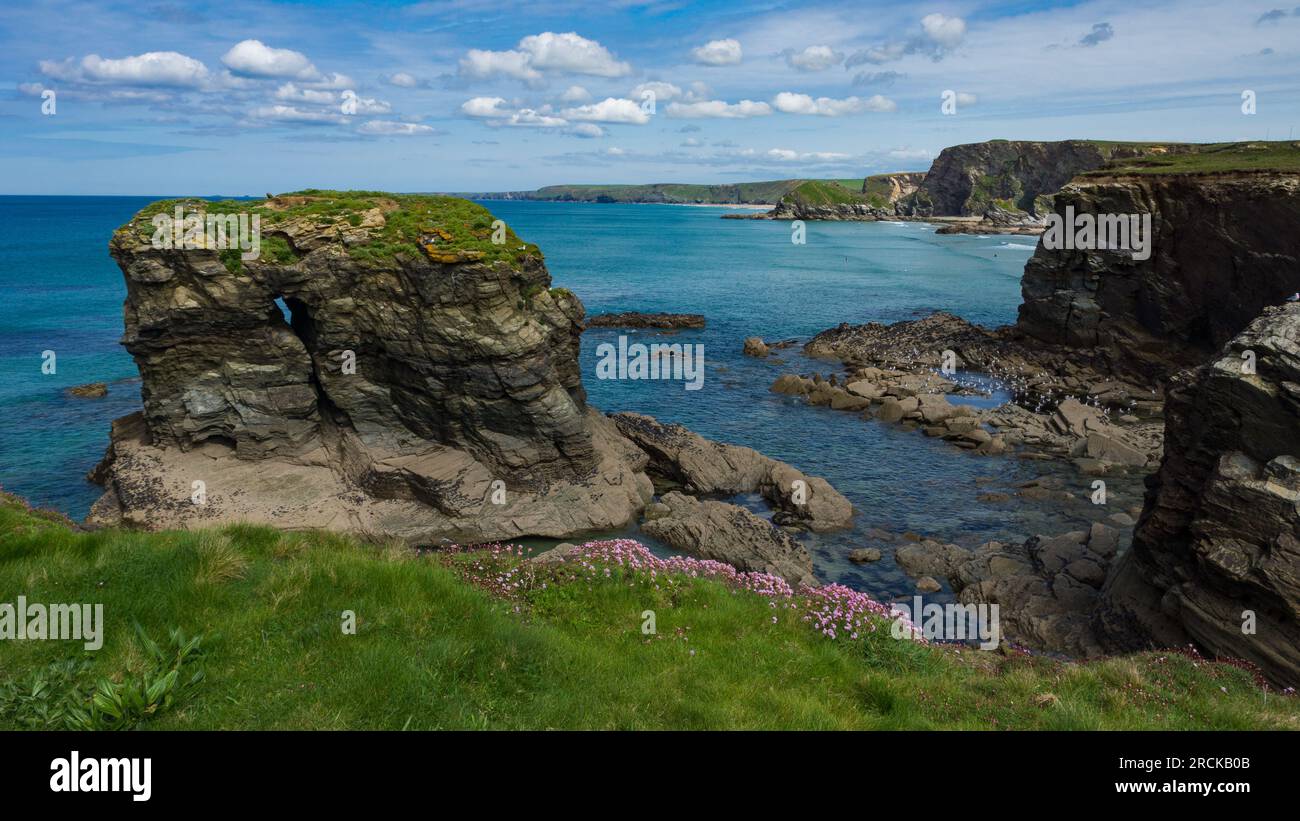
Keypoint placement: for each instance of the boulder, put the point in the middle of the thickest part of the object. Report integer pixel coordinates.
(729, 533)
(703, 467)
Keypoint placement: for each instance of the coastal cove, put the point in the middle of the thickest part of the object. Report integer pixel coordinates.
(745, 277)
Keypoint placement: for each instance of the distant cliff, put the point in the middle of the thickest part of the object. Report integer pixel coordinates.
(1017, 175)
(744, 193)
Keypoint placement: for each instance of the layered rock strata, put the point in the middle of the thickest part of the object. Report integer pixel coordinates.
(1216, 552)
(1223, 246)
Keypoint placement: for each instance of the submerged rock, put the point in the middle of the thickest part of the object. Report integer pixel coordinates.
(92, 390)
(636, 319)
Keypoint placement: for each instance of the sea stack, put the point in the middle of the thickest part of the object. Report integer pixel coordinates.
(424, 383)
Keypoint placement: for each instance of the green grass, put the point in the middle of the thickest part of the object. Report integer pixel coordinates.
(826, 192)
(457, 226)
(435, 649)
(1206, 158)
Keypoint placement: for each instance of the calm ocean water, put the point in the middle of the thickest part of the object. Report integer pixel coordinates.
(62, 292)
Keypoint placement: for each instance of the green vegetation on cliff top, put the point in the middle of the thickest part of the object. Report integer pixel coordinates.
(436, 648)
(1207, 158)
(825, 192)
(445, 228)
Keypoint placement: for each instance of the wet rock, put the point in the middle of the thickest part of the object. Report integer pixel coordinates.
(891, 410)
(927, 584)
(791, 385)
(863, 555)
(755, 346)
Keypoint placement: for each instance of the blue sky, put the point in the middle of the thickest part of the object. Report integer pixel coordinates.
(161, 97)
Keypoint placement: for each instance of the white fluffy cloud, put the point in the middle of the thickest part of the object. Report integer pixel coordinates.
(536, 54)
(718, 109)
(485, 107)
(253, 58)
(154, 68)
(609, 110)
(946, 31)
(792, 103)
(813, 58)
(587, 131)
(480, 65)
(571, 53)
(718, 53)
(403, 79)
(495, 111)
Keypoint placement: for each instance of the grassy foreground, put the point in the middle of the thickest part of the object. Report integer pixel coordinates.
(461, 641)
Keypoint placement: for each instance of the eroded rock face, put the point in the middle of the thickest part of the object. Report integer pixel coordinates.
(965, 180)
(422, 365)
(1224, 247)
(1220, 534)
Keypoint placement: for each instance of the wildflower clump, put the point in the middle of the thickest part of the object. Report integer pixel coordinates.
(833, 610)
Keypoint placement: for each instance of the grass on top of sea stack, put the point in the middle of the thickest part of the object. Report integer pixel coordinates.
(479, 639)
(446, 228)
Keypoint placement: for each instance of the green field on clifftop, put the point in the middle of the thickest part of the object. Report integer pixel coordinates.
(1206, 158)
(440, 644)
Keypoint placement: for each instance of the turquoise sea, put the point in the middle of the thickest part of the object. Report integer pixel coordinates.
(62, 293)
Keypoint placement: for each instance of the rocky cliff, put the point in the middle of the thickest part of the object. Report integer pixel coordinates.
(1223, 246)
(1216, 553)
(966, 180)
